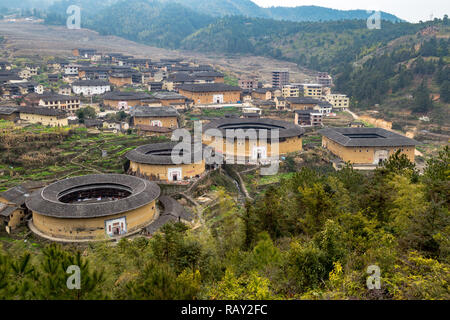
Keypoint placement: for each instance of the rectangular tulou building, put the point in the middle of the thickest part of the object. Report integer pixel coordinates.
(368, 146)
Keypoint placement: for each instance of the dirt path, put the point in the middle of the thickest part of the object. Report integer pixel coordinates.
(354, 115)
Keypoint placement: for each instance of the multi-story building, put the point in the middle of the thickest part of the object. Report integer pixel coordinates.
(248, 83)
(290, 91)
(280, 78)
(324, 79)
(71, 70)
(339, 101)
(69, 104)
(302, 103)
(312, 90)
(44, 116)
(90, 87)
(308, 118)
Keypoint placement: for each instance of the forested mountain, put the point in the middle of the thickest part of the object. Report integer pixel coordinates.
(168, 24)
(315, 13)
(218, 8)
(410, 74)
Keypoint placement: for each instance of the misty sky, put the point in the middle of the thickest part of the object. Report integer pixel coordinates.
(411, 10)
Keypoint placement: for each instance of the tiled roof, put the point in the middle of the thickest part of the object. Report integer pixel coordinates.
(42, 111)
(303, 100)
(286, 129)
(6, 110)
(161, 153)
(209, 87)
(141, 111)
(16, 195)
(367, 137)
(46, 201)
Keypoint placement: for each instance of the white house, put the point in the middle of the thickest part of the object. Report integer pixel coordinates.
(71, 69)
(90, 87)
(324, 107)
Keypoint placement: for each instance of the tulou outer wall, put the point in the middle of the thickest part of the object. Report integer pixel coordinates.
(245, 149)
(364, 155)
(160, 172)
(92, 228)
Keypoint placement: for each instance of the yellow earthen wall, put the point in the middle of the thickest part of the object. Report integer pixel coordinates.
(78, 229)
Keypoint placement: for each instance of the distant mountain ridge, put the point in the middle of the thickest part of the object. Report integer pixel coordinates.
(219, 8)
(167, 24)
(301, 13)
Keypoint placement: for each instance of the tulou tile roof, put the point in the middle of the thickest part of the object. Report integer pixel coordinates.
(367, 137)
(47, 200)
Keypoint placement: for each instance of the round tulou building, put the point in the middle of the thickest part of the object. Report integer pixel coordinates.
(253, 140)
(93, 207)
(155, 162)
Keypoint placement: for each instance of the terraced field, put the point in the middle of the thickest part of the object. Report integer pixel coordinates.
(54, 154)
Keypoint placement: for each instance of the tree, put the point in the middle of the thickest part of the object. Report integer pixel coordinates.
(422, 100)
(159, 282)
(306, 265)
(251, 287)
(445, 92)
(85, 113)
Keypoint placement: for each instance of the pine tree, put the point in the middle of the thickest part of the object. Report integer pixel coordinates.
(422, 100)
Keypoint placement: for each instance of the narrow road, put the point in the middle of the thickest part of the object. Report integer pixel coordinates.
(354, 115)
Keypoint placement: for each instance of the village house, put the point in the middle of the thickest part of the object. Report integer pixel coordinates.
(69, 104)
(264, 104)
(248, 83)
(120, 79)
(211, 93)
(53, 77)
(324, 79)
(90, 87)
(171, 99)
(262, 94)
(9, 113)
(166, 117)
(43, 116)
(94, 73)
(9, 77)
(25, 74)
(324, 107)
(4, 65)
(121, 100)
(339, 101)
(22, 88)
(115, 126)
(57, 64)
(312, 90)
(65, 90)
(290, 91)
(208, 77)
(71, 70)
(13, 211)
(281, 103)
(302, 103)
(366, 146)
(308, 118)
